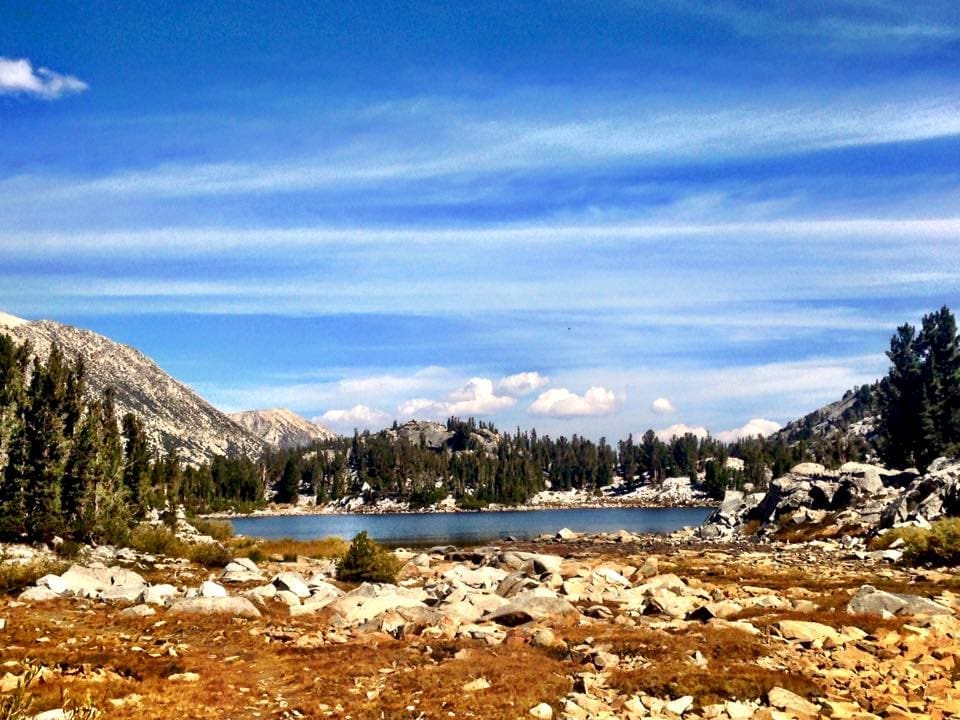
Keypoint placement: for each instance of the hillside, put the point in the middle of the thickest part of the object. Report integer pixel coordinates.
(854, 414)
(282, 428)
(174, 416)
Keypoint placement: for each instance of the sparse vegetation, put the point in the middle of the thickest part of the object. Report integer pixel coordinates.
(15, 576)
(939, 546)
(290, 549)
(161, 540)
(365, 561)
(217, 529)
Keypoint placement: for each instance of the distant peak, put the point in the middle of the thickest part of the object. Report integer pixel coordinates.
(11, 321)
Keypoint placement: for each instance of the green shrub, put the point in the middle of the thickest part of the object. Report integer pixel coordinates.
(256, 554)
(365, 561)
(211, 555)
(69, 549)
(16, 576)
(157, 540)
(940, 545)
(217, 529)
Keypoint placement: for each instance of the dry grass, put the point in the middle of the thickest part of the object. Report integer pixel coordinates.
(15, 576)
(660, 664)
(242, 675)
(289, 550)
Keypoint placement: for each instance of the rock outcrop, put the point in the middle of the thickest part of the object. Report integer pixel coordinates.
(858, 498)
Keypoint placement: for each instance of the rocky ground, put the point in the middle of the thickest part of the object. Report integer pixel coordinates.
(610, 626)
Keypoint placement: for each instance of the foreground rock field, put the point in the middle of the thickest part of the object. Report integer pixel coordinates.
(577, 627)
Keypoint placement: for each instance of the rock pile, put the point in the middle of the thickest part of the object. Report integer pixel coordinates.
(857, 497)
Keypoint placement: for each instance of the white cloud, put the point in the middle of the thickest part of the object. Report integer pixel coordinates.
(662, 406)
(560, 402)
(522, 383)
(17, 77)
(756, 426)
(475, 397)
(679, 430)
(357, 416)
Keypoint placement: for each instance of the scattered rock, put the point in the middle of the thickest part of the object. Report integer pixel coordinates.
(235, 606)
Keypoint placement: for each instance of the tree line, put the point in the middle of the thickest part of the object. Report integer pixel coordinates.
(70, 467)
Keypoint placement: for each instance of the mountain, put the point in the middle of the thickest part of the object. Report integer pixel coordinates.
(281, 428)
(173, 415)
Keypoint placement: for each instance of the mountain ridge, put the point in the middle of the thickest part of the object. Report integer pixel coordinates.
(174, 416)
(282, 428)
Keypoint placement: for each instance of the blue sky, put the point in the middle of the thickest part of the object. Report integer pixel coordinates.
(545, 214)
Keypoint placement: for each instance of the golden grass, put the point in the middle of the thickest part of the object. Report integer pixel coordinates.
(16, 576)
(289, 549)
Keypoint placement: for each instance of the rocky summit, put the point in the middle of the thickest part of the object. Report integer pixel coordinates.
(282, 428)
(173, 415)
(572, 626)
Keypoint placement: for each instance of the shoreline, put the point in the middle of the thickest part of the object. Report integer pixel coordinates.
(314, 511)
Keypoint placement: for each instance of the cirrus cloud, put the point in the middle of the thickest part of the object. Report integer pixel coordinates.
(560, 403)
(18, 77)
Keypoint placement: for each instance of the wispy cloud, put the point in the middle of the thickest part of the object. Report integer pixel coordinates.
(18, 77)
(487, 142)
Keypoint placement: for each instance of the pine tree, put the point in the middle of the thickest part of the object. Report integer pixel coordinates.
(136, 470)
(288, 489)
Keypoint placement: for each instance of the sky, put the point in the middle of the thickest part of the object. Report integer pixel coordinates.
(589, 217)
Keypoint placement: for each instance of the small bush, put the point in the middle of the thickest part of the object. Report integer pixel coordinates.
(217, 529)
(69, 549)
(365, 561)
(157, 540)
(16, 704)
(211, 555)
(16, 576)
(940, 545)
(256, 554)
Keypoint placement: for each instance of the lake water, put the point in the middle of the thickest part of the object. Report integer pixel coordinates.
(473, 527)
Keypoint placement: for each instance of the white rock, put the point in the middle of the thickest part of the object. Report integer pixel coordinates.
(542, 711)
(292, 582)
(210, 589)
(680, 705)
(38, 594)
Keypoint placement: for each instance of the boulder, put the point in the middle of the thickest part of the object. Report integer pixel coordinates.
(533, 606)
(157, 594)
(792, 703)
(872, 601)
(38, 594)
(210, 589)
(235, 606)
(138, 611)
(806, 632)
(292, 582)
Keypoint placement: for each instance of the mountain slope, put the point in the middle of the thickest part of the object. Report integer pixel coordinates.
(854, 414)
(174, 416)
(282, 428)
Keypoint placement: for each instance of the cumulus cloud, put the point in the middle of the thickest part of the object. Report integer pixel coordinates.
(560, 402)
(522, 383)
(475, 397)
(18, 77)
(663, 406)
(357, 416)
(756, 426)
(679, 430)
